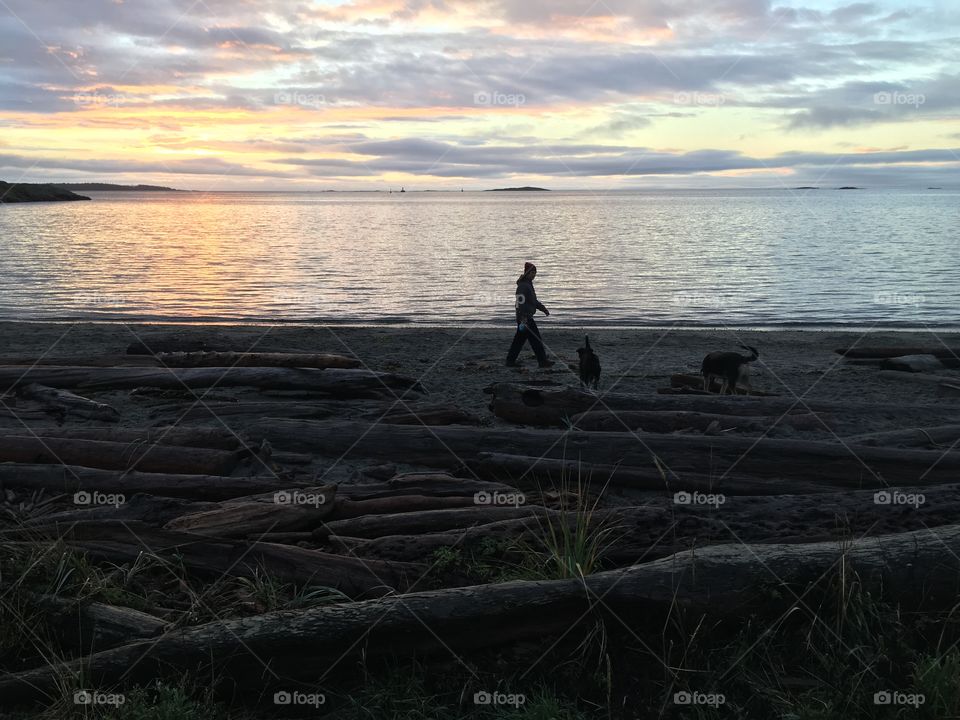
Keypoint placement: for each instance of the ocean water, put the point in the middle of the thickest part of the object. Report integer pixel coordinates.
(745, 258)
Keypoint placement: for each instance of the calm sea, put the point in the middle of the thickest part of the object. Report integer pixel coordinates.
(700, 258)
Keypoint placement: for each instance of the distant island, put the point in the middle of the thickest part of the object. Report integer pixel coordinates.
(519, 189)
(29, 192)
(109, 187)
(806, 187)
(849, 187)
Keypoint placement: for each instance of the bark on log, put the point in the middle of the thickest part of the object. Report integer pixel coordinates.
(141, 507)
(94, 626)
(918, 570)
(255, 359)
(430, 415)
(117, 456)
(71, 478)
(854, 466)
(917, 377)
(429, 484)
(83, 360)
(334, 382)
(63, 403)
(212, 410)
(668, 421)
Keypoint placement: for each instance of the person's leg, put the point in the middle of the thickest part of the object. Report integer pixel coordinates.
(518, 340)
(535, 342)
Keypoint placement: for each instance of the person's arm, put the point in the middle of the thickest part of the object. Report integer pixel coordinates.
(542, 308)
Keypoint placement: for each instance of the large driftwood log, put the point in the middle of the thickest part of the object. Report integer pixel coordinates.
(408, 523)
(695, 382)
(121, 542)
(140, 507)
(286, 513)
(117, 456)
(334, 382)
(535, 473)
(668, 421)
(428, 484)
(255, 359)
(913, 363)
(219, 438)
(554, 406)
(856, 466)
(96, 626)
(917, 377)
(344, 509)
(63, 403)
(72, 478)
(190, 411)
(916, 570)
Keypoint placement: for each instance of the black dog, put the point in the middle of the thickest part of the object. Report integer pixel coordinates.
(728, 367)
(589, 365)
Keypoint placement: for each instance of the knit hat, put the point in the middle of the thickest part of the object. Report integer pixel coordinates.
(528, 267)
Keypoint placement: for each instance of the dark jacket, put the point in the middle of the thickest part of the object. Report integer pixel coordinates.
(527, 303)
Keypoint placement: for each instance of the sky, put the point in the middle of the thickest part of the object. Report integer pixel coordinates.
(434, 94)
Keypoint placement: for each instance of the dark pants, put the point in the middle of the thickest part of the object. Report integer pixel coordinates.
(531, 333)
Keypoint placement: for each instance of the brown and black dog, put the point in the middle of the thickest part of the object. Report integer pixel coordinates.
(589, 365)
(728, 367)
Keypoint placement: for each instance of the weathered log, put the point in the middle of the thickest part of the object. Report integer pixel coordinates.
(534, 473)
(191, 411)
(452, 446)
(429, 484)
(63, 403)
(219, 438)
(554, 406)
(83, 360)
(370, 526)
(140, 507)
(334, 382)
(95, 626)
(912, 363)
(918, 570)
(241, 519)
(120, 542)
(255, 359)
(117, 456)
(667, 421)
(430, 415)
(917, 377)
(344, 509)
(72, 478)
(892, 352)
(939, 436)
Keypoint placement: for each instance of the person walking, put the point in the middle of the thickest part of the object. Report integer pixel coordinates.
(526, 306)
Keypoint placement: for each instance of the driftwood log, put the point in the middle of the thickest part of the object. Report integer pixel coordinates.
(943, 436)
(892, 352)
(695, 382)
(72, 478)
(425, 521)
(63, 403)
(916, 570)
(255, 359)
(219, 438)
(844, 465)
(334, 382)
(106, 455)
(668, 421)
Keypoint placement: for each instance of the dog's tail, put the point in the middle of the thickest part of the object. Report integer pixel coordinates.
(754, 353)
(586, 340)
